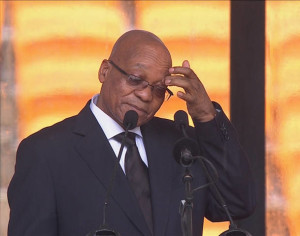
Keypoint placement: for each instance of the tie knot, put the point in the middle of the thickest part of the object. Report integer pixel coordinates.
(130, 140)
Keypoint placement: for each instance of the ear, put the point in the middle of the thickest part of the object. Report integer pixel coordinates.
(103, 71)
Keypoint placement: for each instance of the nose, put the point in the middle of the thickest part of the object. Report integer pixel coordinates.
(145, 94)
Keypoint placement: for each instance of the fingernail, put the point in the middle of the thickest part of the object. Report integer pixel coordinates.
(167, 81)
(179, 94)
(171, 70)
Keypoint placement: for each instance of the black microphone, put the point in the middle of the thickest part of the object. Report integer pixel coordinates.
(185, 152)
(129, 122)
(185, 149)
(181, 120)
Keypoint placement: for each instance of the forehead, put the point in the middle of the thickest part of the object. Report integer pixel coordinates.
(149, 62)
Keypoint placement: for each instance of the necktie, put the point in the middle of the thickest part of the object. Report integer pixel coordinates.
(137, 175)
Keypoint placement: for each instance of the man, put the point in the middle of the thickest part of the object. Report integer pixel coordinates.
(63, 171)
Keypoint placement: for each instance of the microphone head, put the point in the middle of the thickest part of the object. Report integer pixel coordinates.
(181, 119)
(182, 144)
(130, 119)
(237, 231)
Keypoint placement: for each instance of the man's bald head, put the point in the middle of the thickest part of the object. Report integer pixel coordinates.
(136, 42)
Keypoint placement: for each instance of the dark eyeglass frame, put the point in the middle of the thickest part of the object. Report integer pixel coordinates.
(167, 97)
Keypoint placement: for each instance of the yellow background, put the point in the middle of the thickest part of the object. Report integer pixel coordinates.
(59, 46)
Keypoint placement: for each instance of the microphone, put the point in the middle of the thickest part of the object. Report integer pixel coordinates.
(181, 120)
(129, 122)
(185, 153)
(185, 149)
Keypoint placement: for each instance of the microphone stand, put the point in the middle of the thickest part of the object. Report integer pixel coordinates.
(186, 207)
(183, 152)
(129, 122)
(186, 152)
(104, 229)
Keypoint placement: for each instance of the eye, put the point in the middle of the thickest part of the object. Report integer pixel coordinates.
(134, 80)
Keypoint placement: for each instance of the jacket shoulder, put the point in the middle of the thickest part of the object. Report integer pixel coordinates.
(52, 134)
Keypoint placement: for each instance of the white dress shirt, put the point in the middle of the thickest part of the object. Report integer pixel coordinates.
(111, 128)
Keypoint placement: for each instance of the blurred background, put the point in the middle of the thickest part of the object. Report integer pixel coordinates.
(51, 52)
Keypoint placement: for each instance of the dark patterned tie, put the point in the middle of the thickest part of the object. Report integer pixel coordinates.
(137, 175)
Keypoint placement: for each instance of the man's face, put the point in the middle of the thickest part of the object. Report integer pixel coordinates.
(117, 96)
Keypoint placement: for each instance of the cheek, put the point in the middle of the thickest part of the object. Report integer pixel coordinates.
(117, 92)
(120, 97)
(113, 94)
(153, 108)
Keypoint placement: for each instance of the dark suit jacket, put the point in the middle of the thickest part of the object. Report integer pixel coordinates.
(63, 171)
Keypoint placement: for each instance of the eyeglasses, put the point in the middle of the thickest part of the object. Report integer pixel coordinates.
(140, 84)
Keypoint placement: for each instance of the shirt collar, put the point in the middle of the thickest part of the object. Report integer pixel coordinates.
(109, 126)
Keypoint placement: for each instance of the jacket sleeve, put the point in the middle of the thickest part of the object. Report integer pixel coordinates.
(31, 194)
(219, 143)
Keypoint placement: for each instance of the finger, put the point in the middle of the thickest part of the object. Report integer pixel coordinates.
(184, 82)
(178, 81)
(186, 71)
(184, 96)
(186, 63)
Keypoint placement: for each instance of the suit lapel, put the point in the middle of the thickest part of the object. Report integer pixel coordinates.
(160, 175)
(94, 148)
